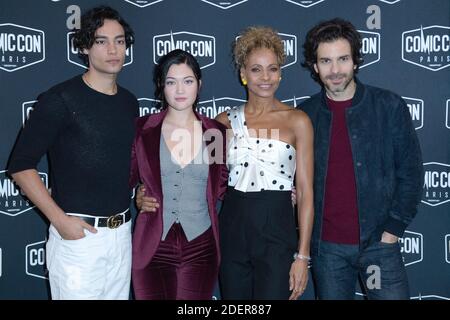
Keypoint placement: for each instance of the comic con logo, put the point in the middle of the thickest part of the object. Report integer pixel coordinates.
(27, 108)
(20, 46)
(211, 108)
(427, 47)
(35, 260)
(447, 115)
(201, 46)
(436, 186)
(295, 101)
(143, 3)
(390, 1)
(415, 107)
(224, 4)
(411, 247)
(429, 297)
(370, 47)
(290, 48)
(148, 106)
(305, 3)
(12, 200)
(72, 53)
(447, 248)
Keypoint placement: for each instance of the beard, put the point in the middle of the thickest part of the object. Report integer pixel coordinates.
(347, 79)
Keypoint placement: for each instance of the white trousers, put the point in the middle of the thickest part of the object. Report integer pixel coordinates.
(97, 266)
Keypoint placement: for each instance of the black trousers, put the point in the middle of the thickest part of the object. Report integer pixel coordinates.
(258, 239)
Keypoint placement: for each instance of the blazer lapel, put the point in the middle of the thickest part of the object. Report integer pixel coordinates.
(213, 175)
(151, 135)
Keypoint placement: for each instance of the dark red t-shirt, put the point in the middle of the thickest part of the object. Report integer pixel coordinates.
(340, 216)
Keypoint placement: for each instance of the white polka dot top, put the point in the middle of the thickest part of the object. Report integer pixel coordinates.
(257, 164)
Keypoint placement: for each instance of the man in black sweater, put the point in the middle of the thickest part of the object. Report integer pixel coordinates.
(86, 125)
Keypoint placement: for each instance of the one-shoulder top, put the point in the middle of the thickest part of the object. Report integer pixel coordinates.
(257, 164)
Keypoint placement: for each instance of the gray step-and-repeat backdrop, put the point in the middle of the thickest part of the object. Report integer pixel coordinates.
(407, 49)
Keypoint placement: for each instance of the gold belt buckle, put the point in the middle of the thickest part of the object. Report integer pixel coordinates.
(114, 222)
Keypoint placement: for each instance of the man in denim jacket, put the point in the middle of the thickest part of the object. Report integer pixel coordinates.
(368, 171)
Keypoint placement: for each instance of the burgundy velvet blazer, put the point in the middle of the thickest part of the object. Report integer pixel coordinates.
(145, 167)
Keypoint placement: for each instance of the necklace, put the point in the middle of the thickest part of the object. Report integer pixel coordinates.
(114, 90)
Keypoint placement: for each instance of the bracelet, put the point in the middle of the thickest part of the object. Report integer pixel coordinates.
(301, 257)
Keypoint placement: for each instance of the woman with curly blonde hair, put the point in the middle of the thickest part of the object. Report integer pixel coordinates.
(271, 144)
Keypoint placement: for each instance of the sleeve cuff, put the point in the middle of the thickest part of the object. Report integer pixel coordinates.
(395, 227)
(19, 166)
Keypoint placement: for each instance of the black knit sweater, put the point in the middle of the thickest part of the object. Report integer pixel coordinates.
(88, 137)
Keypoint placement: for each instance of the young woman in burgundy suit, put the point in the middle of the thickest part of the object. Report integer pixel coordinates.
(178, 155)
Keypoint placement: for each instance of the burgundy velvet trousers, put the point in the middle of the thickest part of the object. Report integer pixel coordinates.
(181, 270)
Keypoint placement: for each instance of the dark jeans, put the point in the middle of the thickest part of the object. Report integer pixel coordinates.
(380, 267)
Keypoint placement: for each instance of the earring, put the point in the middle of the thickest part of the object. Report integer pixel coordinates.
(244, 82)
(280, 79)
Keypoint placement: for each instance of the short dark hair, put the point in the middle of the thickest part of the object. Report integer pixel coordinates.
(93, 19)
(329, 31)
(177, 57)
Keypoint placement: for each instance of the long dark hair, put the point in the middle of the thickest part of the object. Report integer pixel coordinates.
(176, 56)
(93, 19)
(328, 31)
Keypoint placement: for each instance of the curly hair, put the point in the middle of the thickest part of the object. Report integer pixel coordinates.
(176, 57)
(92, 20)
(329, 31)
(256, 37)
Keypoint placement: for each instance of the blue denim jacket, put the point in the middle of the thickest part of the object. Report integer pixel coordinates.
(386, 157)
